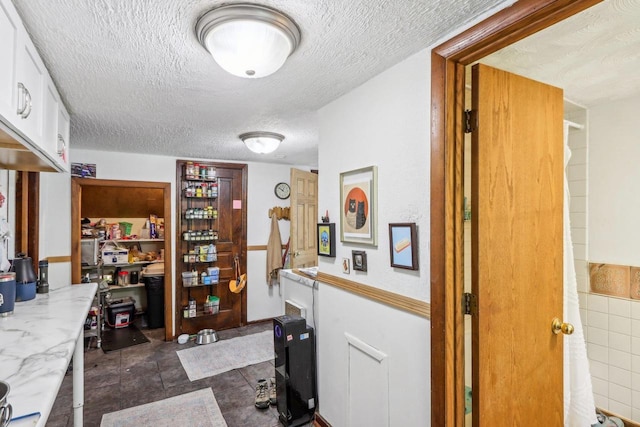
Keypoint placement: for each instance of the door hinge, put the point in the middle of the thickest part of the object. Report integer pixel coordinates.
(469, 304)
(470, 121)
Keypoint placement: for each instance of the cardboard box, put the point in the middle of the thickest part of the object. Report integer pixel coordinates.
(115, 256)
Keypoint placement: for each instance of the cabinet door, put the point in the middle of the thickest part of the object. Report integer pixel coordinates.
(62, 145)
(9, 30)
(50, 121)
(31, 77)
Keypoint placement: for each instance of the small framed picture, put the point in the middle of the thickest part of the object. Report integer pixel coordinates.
(327, 239)
(403, 245)
(359, 260)
(346, 265)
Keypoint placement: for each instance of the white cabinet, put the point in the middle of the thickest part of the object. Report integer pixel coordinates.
(62, 145)
(9, 29)
(55, 141)
(31, 76)
(29, 103)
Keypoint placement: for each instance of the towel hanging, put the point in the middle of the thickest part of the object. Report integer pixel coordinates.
(274, 251)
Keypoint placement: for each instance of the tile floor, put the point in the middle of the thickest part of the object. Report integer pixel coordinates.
(152, 371)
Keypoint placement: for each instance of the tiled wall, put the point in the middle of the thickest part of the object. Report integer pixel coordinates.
(613, 347)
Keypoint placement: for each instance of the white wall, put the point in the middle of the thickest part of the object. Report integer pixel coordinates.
(55, 225)
(384, 122)
(613, 324)
(262, 302)
(614, 174)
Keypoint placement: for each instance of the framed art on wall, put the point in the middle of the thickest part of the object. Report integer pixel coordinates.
(358, 206)
(359, 260)
(346, 265)
(327, 239)
(403, 245)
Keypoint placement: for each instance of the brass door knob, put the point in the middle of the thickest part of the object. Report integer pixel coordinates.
(557, 326)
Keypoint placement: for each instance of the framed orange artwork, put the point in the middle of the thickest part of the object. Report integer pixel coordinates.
(358, 206)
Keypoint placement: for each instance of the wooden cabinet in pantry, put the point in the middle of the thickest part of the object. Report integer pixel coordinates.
(30, 105)
(210, 238)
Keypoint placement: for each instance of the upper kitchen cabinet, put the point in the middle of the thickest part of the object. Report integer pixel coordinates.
(32, 138)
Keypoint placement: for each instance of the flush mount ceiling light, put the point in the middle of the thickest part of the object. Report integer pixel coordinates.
(261, 142)
(248, 40)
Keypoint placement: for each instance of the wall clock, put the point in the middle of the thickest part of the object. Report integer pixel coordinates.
(282, 190)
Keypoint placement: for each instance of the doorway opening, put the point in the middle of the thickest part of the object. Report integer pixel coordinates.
(448, 85)
(101, 198)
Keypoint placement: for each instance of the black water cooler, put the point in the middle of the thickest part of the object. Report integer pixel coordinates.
(294, 344)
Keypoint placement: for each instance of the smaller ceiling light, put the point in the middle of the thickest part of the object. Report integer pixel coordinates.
(248, 40)
(261, 142)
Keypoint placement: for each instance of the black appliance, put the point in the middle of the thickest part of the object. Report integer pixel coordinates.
(294, 345)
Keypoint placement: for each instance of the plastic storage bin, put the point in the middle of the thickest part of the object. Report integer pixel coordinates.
(120, 313)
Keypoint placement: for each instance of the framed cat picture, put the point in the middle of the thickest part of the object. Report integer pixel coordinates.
(358, 206)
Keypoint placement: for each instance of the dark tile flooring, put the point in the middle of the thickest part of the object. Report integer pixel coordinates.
(152, 371)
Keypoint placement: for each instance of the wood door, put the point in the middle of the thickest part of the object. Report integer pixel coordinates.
(517, 249)
(231, 225)
(304, 219)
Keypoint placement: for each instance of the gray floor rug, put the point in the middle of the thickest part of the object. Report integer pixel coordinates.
(212, 359)
(196, 409)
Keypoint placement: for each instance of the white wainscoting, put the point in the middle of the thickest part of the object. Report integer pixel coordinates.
(368, 384)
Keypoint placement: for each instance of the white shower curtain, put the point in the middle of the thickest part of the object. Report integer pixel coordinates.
(579, 407)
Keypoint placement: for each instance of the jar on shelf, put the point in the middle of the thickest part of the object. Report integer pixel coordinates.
(189, 170)
(211, 172)
(123, 278)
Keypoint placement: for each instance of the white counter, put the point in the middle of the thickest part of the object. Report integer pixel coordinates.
(37, 343)
(303, 292)
(303, 280)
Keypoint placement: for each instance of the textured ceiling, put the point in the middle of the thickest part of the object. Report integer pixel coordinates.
(594, 55)
(135, 78)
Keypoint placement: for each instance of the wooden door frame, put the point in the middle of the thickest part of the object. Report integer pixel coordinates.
(27, 216)
(448, 62)
(77, 184)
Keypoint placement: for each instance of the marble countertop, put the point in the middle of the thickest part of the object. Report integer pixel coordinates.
(304, 280)
(37, 343)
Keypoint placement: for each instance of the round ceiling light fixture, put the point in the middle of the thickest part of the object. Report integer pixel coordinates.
(248, 40)
(261, 142)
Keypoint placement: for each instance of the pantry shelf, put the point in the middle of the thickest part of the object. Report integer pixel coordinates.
(139, 240)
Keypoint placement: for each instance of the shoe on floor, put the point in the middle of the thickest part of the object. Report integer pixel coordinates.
(272, 391)
(262, 394)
